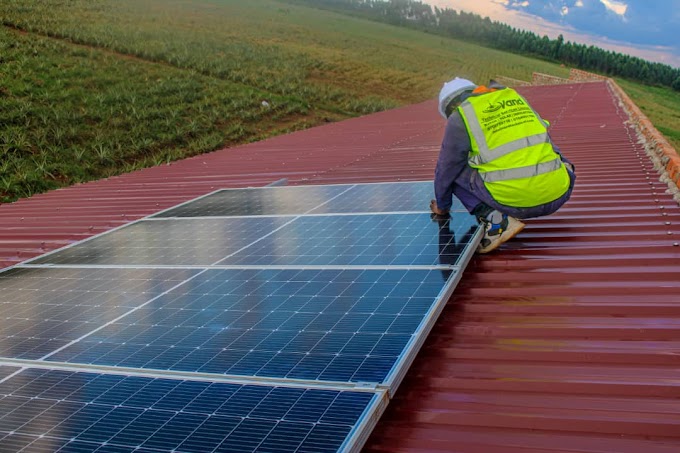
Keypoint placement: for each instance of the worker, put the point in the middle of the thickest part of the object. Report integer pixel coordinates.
(498, 160)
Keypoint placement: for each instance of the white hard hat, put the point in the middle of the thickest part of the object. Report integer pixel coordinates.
(450, 90)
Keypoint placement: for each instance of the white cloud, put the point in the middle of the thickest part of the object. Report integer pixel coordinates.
(496, 10)
(619, 8)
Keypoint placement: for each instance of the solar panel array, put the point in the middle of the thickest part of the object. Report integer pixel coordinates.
(270, 319)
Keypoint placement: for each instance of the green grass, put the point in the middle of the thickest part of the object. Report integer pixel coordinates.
(660, 105)
(71, 114)
(94, 88)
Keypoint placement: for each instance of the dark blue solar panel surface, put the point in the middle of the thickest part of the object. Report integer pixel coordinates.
(305, 295)
(362, 240)
(386, 197)
(258, 201)
(333, 325)
(6, 371)
(60, 411)
(44, 309)
(357, 240)
(297, 200)
(168, 242)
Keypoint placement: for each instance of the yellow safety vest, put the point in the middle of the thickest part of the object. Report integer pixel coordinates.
(511, 150)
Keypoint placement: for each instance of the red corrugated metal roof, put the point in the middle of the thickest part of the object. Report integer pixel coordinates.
(566, 340)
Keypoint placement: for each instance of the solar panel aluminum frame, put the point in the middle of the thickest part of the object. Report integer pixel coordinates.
(353, 443)
(356, 439)
(402, 365)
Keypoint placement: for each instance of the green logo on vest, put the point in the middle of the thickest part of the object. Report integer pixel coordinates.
(502, 104)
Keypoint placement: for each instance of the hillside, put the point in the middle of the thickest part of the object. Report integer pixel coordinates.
(92, 89)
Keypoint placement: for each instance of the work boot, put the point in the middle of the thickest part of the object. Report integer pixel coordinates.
(499, 228)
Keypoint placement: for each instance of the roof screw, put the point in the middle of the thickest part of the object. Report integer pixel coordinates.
(670, 232)
(675, 244)
(668, 223)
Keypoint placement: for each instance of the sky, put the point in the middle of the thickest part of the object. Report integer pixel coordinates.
(648, 29)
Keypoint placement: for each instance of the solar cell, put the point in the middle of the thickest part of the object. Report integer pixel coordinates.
(44, 309)
(362, 240)
(6, 371)
(59, 411)
(285, 200)
(384, 197)
(333, 325)
(168, 242)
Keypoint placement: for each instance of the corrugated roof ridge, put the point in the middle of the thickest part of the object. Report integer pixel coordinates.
(567, 339)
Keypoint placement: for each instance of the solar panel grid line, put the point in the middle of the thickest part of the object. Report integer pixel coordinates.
(86, 411)
(231, 303)
(315, 325)
(262, 190)
(374, 337)
(320, 214)
(362, 240)
(243, 266)
(113, 230)
(400, 239)
(302, 200)
(205, 242)
(66, 247)
(82, 337)
(258, 240)
(394, 379)
(163, 211)
(177, 375)
(43, 309)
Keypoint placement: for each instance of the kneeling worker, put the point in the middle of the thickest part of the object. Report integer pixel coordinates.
(498, 159)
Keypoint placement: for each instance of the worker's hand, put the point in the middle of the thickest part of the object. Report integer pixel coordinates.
(435, 209)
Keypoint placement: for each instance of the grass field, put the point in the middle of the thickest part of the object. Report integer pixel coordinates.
(660, 105)
(94, 88)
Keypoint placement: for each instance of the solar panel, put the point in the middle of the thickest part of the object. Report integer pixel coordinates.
(273, 319)
(333, 325)
(362, 240)
(384, 197)
(168, 242)
(258, 201)
(6, 371)
(298, 200)
(44, 309)
(59, 411)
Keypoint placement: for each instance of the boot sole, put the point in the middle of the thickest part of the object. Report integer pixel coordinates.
(513, 230)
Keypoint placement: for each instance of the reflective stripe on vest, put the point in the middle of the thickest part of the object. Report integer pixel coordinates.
(511, 149)
(521, 172)
(487, 155)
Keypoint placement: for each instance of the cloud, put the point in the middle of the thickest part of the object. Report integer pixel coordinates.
(616, 7)
(635, 21)
(646, 29)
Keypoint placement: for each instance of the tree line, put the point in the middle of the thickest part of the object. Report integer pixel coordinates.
(473, 28)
